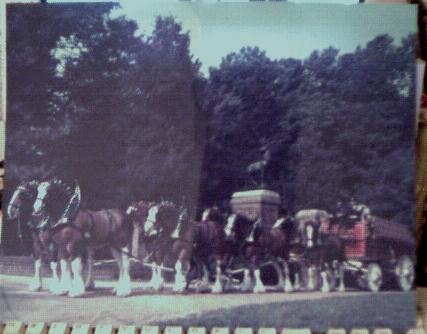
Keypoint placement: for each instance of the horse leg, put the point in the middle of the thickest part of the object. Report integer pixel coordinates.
(36, 281)
(89, 282)
(180, 280)
(325, 280)
(259, 285)
(247, 282)
(65, 281)
(153, 275)
(123, 286)
(310, 281)
(78, 286)
(288, 284)
(203, 284)
(54, 285)
(217, 287)
(341, 286)
(280, 281)
(159, 281)
(117, 256)
(297, 282)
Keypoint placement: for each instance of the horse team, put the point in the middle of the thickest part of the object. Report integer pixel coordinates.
(215, 253)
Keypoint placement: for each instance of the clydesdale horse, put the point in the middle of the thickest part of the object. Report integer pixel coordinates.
(87, 230)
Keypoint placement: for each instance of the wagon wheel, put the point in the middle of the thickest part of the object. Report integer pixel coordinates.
(405, 273)
(374, 277)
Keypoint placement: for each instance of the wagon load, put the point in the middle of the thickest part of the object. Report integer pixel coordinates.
(387, 230)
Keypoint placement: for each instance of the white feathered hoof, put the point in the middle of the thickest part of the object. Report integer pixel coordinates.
(158, 285)
(55, 288)
(325, 284)
(246, 285)
(180, 284)
(217, 287)
(61, 292)
(259, 289)
(35, 286)
(287, 287)
(76, 292)
(123, 292)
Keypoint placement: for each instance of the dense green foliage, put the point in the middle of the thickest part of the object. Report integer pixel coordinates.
(132, 117)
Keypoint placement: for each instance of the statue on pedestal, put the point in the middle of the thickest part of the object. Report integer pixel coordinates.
(256, 170)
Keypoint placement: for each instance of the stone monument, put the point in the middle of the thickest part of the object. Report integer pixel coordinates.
(259, 202)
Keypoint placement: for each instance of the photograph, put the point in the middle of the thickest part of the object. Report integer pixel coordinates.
(210, 164)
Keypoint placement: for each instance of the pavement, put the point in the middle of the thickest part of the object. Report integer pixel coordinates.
(317, 310)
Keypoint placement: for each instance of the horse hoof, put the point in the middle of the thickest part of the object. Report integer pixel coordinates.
(56, 290)
(60, 292)
(36, 287)
(287, 287)
(217, 288)
(246, 287)
(123, 293)
(179, 288)
(76, 292)
(325, 289)
(259, 289)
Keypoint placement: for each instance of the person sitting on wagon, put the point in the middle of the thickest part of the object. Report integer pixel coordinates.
(343, 215)
(362, 211)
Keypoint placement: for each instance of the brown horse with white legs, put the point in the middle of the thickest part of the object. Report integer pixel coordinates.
(210, 243)
(20, 209)
(321, 254)
(168, 236)
(258, 244)
(86, 230)
(239, 230)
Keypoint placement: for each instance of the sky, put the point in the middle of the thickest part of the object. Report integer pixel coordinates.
(281, 29)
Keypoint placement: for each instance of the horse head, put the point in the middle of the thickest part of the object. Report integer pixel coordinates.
(162, 218)
(212, 214)
(22, 200)
(138, 211)
(310, 234)
(238, 228)
(255, 231)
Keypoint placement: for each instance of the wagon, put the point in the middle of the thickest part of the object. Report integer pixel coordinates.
(379, 253)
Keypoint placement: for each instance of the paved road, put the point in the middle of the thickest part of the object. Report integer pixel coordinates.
(309, 309)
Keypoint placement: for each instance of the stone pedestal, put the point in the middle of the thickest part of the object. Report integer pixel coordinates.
(256, 204)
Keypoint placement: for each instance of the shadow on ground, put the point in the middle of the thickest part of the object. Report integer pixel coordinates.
(371, 311)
